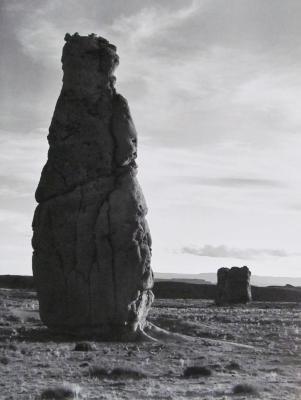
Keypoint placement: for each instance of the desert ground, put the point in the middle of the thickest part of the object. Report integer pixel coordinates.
(242, 352)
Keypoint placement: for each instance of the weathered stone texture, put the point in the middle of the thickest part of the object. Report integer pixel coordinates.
(233, 286)
(92, 245)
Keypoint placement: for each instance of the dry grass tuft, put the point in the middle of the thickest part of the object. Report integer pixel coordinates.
(128, 373)
(4, 360)
(117, 373)
(84, 346)
(196, 371)
(233, 365)
(245, 388)
(64, 392)
(98, 372)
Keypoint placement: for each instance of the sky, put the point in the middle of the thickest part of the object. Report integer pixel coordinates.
(214, 88)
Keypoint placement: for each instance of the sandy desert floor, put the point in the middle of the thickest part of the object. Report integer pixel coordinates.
(256, 345)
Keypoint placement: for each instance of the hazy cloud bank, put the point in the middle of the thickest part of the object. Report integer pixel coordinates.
(233, 182)
(226, 252)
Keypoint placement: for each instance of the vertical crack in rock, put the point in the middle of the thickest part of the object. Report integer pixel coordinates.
(114, 297)
(115, 145)
(92, 246)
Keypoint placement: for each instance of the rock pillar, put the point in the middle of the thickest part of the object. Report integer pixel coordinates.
(91, 241)
(233, 286)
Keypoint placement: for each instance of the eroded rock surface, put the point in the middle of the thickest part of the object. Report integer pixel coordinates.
(233, 286)
(91, 241)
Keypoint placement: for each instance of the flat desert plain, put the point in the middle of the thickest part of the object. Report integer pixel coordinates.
(237, 352)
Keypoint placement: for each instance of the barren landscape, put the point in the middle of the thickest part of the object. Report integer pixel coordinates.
(242, 352)
(150, 200)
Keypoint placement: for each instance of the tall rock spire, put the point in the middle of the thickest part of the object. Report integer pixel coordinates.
(91, 241)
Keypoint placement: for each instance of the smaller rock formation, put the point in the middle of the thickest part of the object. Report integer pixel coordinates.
(233, 286)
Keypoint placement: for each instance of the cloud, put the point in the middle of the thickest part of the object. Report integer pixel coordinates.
(295, 207)
(214, 92)
(43, 26)
(23, 156)
(176, 67)
(42, 31)
(152, 22)
(233, 182)
(226, 252)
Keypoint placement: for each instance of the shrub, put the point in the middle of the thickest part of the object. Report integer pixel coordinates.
(127, 373)
(4, 360)
(65, 392)
(84, 346)
(116, 373)
(233, 365)
(98, 372)
(196, 371)
(245, 388)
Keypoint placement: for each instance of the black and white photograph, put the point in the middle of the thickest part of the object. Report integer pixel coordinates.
(150, 199)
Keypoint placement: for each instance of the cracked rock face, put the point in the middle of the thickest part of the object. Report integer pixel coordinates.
(91, 241)
(233, 286)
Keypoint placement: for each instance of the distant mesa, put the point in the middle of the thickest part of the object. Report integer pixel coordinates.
(91, 241)
(17, 282)
(233, 286)
(181, 289)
